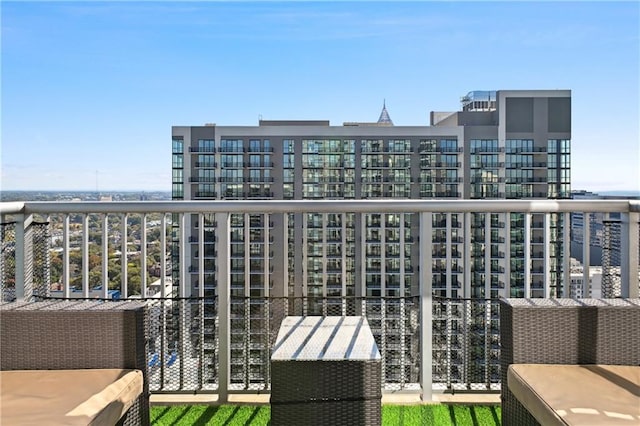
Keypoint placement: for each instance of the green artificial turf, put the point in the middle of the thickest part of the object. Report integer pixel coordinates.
(392, 415)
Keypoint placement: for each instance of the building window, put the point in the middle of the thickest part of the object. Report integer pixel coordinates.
(206, 145)
(177, 176)
(484, 145)
(177, 161)
(448, 145)
(231, 145)
(177, 191)
(399, 145)
(177, 146)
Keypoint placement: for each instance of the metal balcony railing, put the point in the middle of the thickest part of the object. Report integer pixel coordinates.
(216, 337)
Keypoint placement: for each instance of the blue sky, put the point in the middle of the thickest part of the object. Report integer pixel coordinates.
(90, 90)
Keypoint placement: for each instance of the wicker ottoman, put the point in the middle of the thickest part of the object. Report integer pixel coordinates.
(325, 371)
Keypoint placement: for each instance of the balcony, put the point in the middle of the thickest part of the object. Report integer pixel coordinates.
(227, 179)
(259, 164)
(206, 194)
(202, 149)
(447, 165)
(232, 165)
(260, 149)
(208, 342)
(202, 179)
(260, 179)
(206, 164)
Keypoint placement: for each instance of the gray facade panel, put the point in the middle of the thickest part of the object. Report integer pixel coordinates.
(480, 132)
(559, 115)
(204, 132)
(519, 114)
(475, 118)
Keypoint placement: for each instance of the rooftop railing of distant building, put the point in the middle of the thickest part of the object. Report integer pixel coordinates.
(440, 334)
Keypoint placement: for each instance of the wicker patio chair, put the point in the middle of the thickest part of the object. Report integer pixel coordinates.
(568, 332)
(74, 335)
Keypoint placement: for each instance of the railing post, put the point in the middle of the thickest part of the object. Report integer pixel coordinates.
(566, 255)
(466, 247)
(22, 269)
(586, 253)
(629, 236)
(184, 310)
(546, 249)
(105, 256)
(163, 258)
(85, 256)
(426, 309)
(223, 278)
(66, 270)
(143, 257)
(527, 254)
(124, 289)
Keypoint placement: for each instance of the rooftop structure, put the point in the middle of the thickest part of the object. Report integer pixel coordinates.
(479, 100)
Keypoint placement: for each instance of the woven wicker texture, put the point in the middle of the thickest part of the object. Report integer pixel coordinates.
(67, 335)
(310, 385)
(563, 331)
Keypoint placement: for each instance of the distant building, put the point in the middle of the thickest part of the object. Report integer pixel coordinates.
(501, 145)
(604, 232)
(578, 288)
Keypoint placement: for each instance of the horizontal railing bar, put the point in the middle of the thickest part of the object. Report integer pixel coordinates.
(12, 207)
(324, 206)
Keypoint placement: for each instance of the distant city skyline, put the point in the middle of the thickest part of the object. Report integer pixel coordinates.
(90, 90)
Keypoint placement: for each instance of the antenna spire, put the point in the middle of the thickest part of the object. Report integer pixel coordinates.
(384, 119)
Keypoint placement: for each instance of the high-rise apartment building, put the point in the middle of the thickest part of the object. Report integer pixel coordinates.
(502, 145)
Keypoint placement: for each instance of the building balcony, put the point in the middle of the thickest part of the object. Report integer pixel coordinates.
(231, 150)
(487, 180)
(190, 329)
(207, 254)
(486, 151)
(448, 194)
(446, 165)
(232, 165)
(260, 179)
(259, 164)
(526, 180)
(198, 179)
(202, 150)
(259, 149)
(534, 150)
(207, 269)
(225, 179)
(206, 164)
(488, 165)
(206, 194)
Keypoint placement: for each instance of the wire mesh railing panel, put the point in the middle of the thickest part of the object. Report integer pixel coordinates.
(41, 237)
(8, 261)
(250, 342)
(183, 349)
(466, 344)
(611, 280)
(37, 261)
